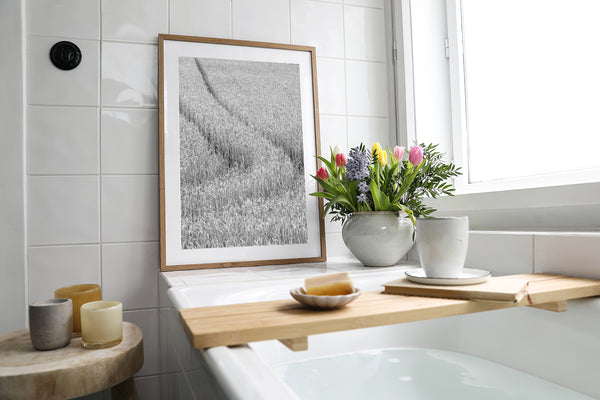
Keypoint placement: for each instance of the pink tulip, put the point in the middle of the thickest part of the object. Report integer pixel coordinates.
(322, 174)
(416, 155)
(340, 159)
(398, 153)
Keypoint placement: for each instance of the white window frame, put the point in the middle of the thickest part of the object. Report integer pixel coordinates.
(559, 202)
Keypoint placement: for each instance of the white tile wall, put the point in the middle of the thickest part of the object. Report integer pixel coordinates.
(130, 208)
(369, 130)
(366, 88)
(129, 74)
(49, 85)
(147, 320)
(318, 24)
(129, 141)
(261, 20)
(129, 274)
(364, 30)
(501, 253)
(62, 209)
(134, 20)
(92, 135)
(66, 18)
(332, 86)
(575, 254)
(62, 140)
(52, 267)
(366, 3)
(201, 18)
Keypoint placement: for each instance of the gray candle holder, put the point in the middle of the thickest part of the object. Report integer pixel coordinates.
(51, 323)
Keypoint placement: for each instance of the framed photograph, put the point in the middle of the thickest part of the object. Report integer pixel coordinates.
(239, 131)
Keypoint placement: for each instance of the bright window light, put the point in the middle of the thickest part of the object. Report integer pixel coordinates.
(532, 87)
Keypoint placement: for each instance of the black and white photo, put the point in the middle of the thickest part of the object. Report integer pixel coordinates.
(239, 132)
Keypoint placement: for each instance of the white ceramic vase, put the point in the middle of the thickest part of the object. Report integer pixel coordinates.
(442, 244)
(378, 238)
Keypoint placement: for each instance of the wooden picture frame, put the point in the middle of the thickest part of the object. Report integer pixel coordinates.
(239, 131)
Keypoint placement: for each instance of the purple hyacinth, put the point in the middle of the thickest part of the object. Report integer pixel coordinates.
(362, 198)
(362, 186)
(357, 167)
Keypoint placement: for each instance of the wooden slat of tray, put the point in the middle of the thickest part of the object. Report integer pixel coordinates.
(287, 319)
(496, 288)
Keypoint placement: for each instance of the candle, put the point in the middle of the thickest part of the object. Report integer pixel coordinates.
(79, 294)
(101, 324)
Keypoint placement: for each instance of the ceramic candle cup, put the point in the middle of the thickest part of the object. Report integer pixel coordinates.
(442, 244)
(101, 324)
(51, 323)
(79, 294)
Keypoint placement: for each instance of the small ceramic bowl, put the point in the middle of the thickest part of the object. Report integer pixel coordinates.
(323, 302)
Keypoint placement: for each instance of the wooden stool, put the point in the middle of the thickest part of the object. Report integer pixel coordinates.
(72, 371)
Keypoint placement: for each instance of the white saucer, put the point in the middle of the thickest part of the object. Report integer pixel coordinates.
(468, 276)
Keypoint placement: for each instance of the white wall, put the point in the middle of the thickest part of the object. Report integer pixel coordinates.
(88, 157)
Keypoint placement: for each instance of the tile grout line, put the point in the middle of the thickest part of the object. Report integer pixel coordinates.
(100, 147)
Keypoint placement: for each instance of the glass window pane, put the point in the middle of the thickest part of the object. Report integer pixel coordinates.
(532, 79)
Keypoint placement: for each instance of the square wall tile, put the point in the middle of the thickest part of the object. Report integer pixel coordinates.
(201, 18)
(130, 274)
(148, 387)
(64, 18)
(129, 141)
(332, 132)
(261, 20)
(134, 20)
(62, 140)
(364, 30)
(369, 130)
(48, 85)
(366, 3)
(336, 247)
(52, 267)
(318, 24)
(501, 253)
(62, 209)
(130, 211)
(367, 88)
(129, 74)
(332, 86)
(568, 254)
(147, 321)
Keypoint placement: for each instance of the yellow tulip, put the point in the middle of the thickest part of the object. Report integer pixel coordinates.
(381, 155)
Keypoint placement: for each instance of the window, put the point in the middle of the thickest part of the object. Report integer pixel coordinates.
(516, 109)
(529, 93)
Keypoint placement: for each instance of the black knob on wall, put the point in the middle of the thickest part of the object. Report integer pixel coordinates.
(65, 55)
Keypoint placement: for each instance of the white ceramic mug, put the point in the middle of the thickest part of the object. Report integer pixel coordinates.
(442, 244)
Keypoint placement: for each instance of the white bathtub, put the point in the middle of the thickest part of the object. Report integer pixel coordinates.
(539, 347)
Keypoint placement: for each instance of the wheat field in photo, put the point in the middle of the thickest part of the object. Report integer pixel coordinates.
(241, 154)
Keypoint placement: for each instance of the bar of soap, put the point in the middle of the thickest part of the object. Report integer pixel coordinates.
(329, 285)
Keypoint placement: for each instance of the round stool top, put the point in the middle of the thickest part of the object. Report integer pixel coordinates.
(72, 371)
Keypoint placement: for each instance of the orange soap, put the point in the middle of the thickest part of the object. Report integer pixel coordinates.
(329, 285)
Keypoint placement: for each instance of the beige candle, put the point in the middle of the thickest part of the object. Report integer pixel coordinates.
(79, 294)
(101, 324)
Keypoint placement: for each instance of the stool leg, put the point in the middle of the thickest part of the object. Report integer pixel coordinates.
(124, 390)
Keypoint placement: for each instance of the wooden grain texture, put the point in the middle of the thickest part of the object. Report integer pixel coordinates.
(287, 319)
(72, 371)
(296, 344)
(496, 288)
(557, 306)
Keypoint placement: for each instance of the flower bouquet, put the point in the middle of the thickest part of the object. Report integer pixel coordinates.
(383, 180)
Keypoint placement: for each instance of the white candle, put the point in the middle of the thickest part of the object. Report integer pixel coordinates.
(101, 324)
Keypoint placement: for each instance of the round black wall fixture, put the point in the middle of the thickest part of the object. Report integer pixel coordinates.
(65, 55)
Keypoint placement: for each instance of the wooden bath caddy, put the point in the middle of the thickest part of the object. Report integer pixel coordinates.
(291, 323)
